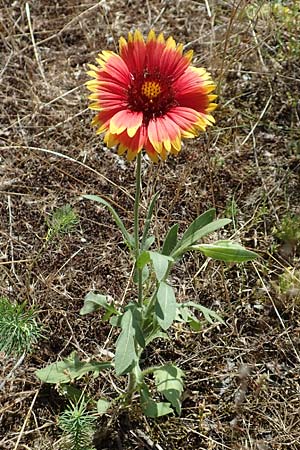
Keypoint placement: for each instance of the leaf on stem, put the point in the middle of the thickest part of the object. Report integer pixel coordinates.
(144, 244)
(160, 263)
(186, 243)
(92, 302)
(165, 306)
(200, 222)
(127, 237)
(70, 369)
(171, 240)
(227, 251)
(169, 382)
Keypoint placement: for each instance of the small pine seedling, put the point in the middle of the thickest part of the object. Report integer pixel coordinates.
(18, 328)
(63, 220)
(78, 426)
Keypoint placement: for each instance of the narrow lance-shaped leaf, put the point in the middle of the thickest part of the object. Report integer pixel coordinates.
(148, 219)
(185, 315)
(171, 240)
(165, 307)
(204, 231)
(208, 314)
(227, 251)
(200, 222)
(127, 237)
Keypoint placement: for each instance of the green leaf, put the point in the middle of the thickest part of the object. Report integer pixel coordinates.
(70, 369)
(155, 335)
(171, 240)
(152, 408)
(115, 321)
(143, 259)
(169, 382)
(148, 221)
(185, 315)
(227, 251)
(136, 323)
(195, 325)
(204, 231)
(148, 242)
(210, 315)
(165, 307)
(127, 237)
(131, 334)
(92, 302)
(103, 405)
(200, 222)
(160, 263)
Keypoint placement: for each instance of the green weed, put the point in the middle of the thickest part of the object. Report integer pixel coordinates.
(63, 220)
(19, 330)
(77, 425)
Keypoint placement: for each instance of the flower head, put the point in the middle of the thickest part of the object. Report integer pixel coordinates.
(150, 96)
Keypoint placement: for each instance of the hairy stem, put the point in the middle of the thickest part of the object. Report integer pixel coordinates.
(136, 225)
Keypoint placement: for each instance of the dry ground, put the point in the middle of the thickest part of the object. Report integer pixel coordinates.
(243, 389)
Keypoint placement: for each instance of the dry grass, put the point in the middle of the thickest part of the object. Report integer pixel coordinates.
(242, 378)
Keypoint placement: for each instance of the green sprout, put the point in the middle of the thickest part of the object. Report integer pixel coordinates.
(78, 426)
(18, 328)
(63, 221)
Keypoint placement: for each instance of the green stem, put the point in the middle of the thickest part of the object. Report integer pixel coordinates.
(136, 225)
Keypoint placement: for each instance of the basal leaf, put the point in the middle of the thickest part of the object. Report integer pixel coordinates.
(70, 369)
(103, 405)
(125, 355)
(227, 251)
(165, 307)
(169, 382)
(210, 315)
(171, 240)
(127, 237)
(184, 314)
(152, 408)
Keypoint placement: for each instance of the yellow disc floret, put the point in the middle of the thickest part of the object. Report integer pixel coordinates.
(151, 89)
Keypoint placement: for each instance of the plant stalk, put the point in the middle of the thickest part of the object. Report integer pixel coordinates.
(136, 226)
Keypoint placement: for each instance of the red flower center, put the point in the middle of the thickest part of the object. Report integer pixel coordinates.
(151, 94)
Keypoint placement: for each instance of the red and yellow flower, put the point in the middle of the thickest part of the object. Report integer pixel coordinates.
(150, 96)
